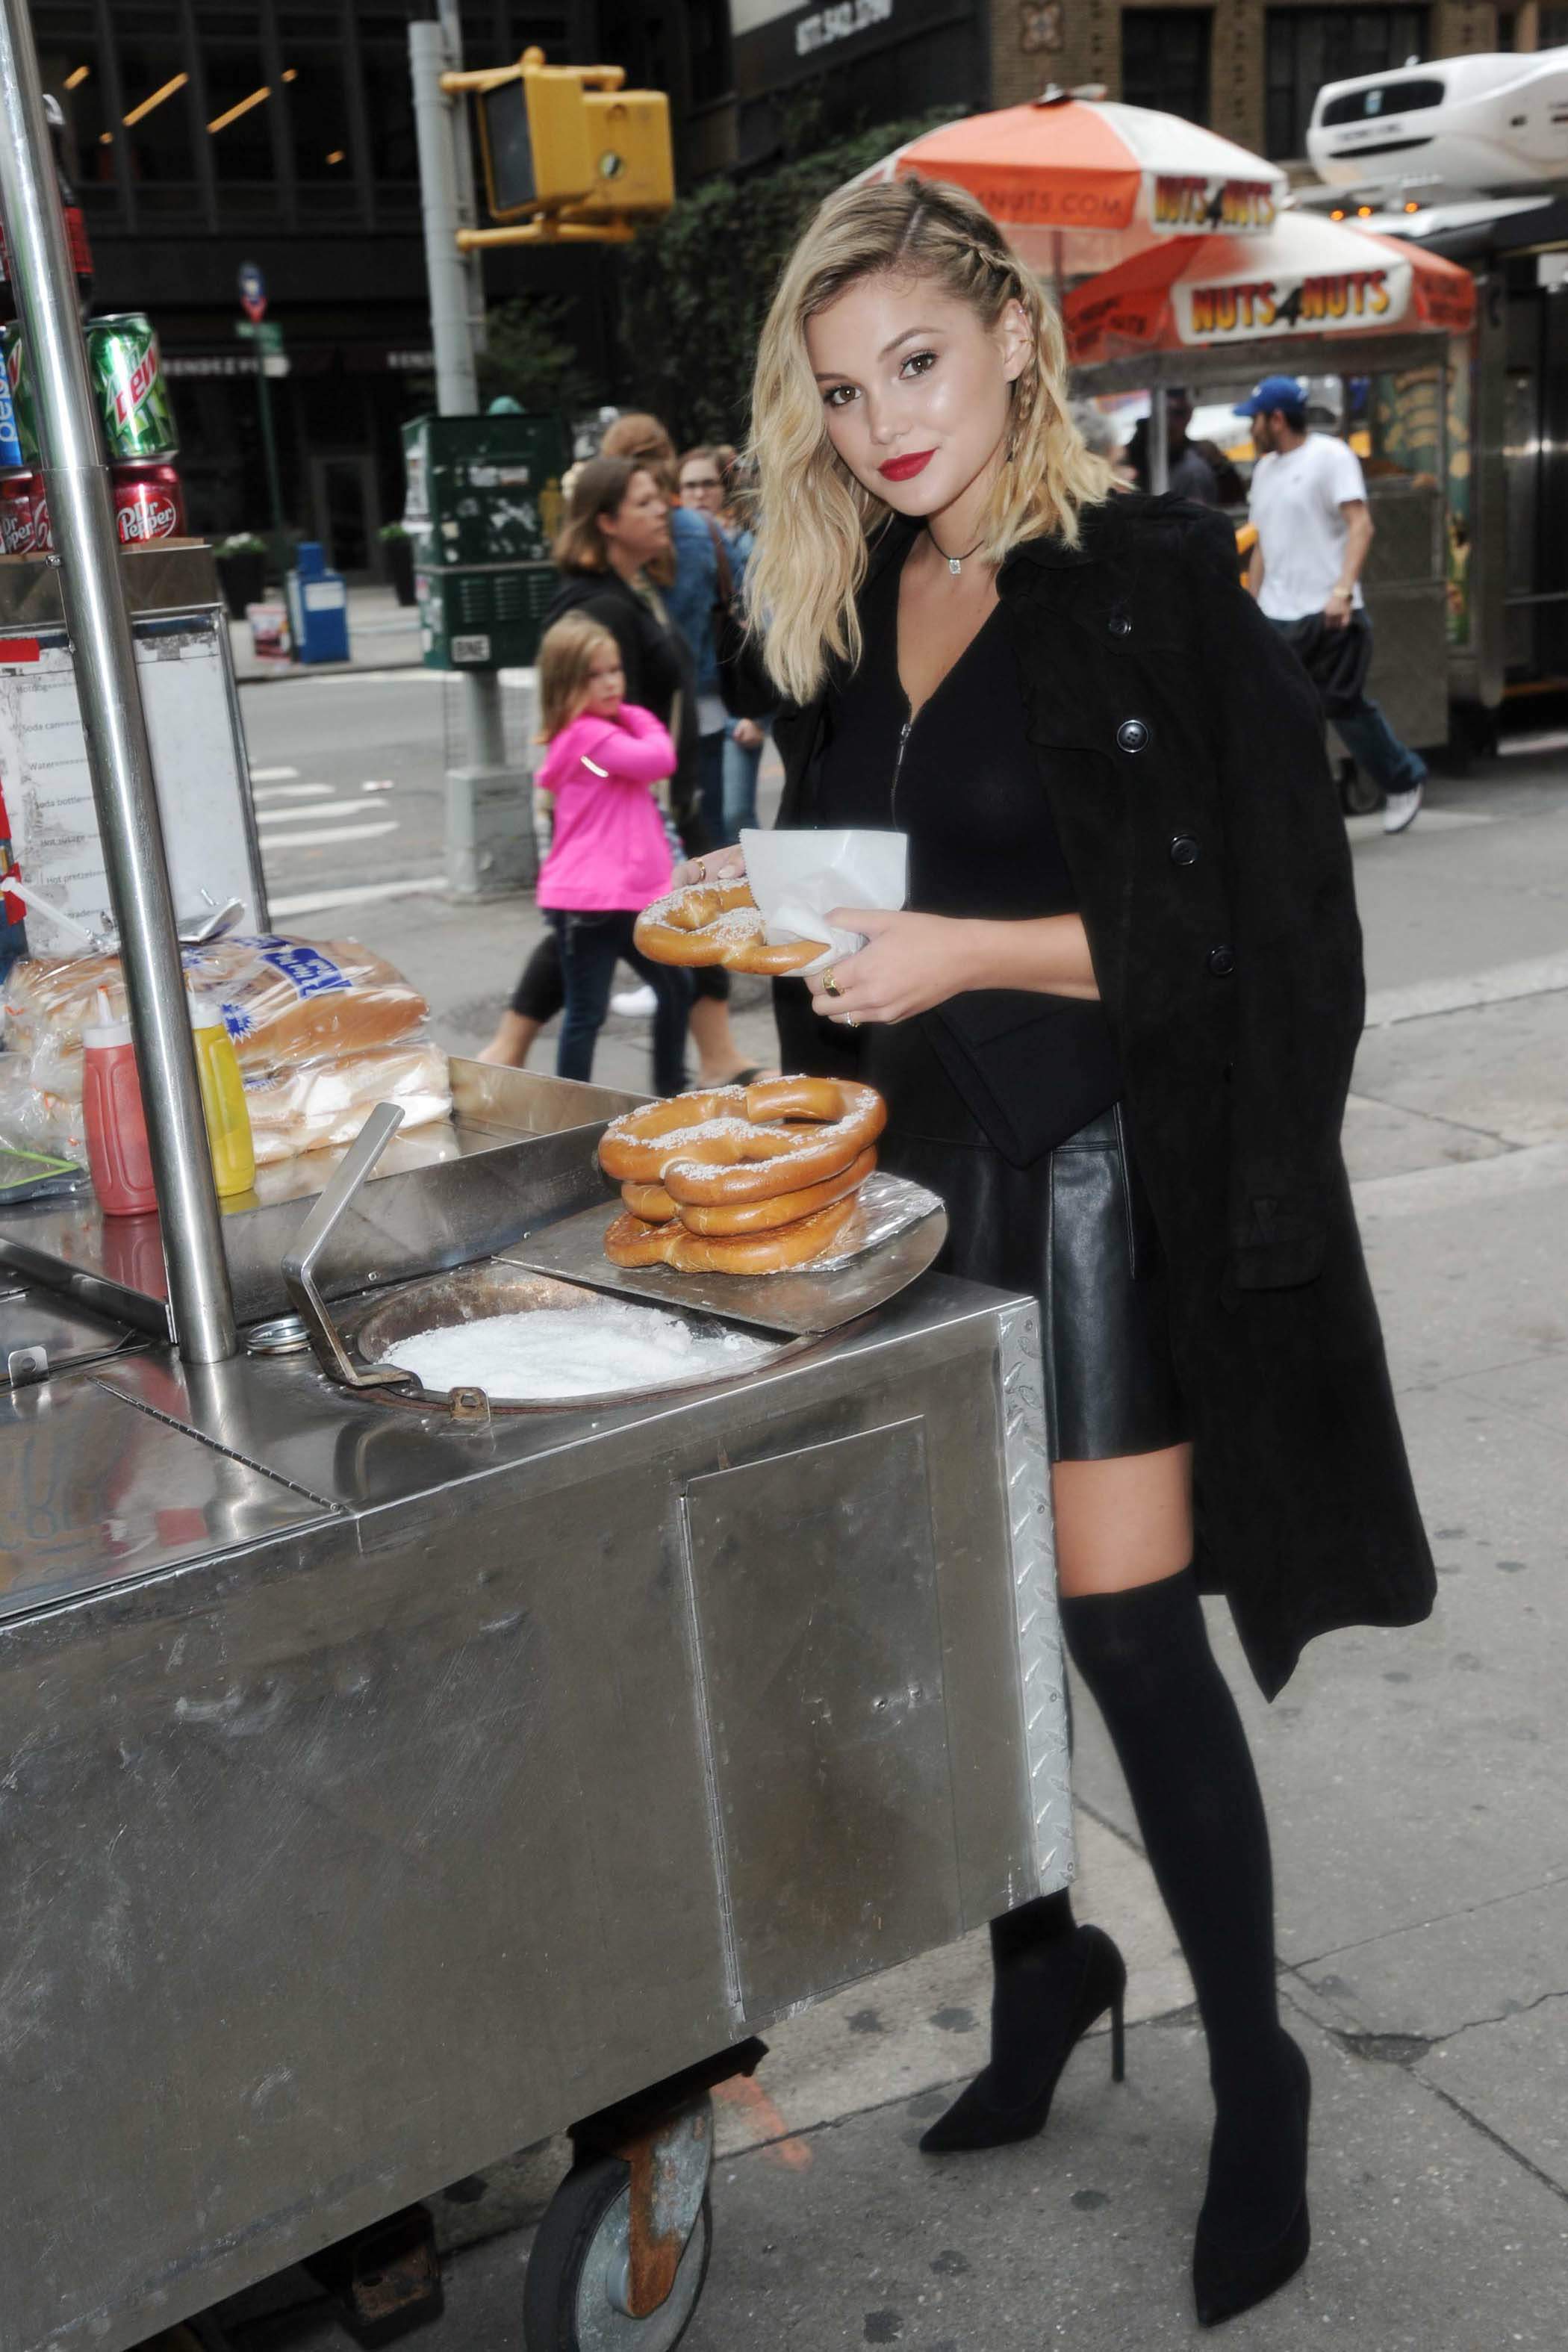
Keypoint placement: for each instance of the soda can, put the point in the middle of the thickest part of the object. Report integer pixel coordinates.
(43, 536)
(10, 446)
(149, 503)
(16, 515)
(20, 392)
(132, 397)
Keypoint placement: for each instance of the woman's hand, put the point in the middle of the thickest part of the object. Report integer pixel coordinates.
(908, 963)
(718, 866)
(747, 735)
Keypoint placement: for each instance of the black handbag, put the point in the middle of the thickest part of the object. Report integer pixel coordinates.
(1336, 660)
(744, 687)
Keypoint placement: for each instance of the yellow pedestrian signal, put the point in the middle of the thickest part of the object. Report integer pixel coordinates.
(629, 134)
(568, 147)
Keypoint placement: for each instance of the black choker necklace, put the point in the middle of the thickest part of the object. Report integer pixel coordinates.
(954, 564)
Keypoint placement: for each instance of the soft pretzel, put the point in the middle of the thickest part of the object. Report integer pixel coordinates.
(782, 1209)
(717, 922)
(730, 1144)
(651, 1203)
(629, 1242)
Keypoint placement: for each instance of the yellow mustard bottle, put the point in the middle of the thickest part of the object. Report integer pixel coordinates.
(223, 1099)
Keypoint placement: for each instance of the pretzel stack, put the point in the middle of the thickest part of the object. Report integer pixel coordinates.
(740, 1180)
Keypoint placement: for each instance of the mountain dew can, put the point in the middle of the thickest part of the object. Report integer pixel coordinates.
(132, 397)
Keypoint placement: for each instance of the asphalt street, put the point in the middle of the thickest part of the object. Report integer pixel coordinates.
(1414, 1779)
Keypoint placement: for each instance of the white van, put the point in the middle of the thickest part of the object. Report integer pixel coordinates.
(1468, 122)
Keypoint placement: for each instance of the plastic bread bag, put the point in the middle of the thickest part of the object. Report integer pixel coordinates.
(285, 1000)
(327, 1102)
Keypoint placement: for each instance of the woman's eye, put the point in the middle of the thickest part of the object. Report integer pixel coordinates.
(838, 395)
(920, 362)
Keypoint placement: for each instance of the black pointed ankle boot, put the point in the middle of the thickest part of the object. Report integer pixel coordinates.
(1234, 2264)
(1042, 2006)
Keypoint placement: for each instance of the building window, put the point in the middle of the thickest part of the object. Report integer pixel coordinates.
(240, 101)
(155, 90)
(320, 136)
(1309, 47)
(1165, 59)
(389, 97)
(72, 67)
(1552, 28)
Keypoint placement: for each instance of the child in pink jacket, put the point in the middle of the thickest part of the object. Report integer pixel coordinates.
(610, 854)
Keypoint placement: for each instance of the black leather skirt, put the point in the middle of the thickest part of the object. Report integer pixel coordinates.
(1076, 1229)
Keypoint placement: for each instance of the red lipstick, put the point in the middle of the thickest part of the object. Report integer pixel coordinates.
(904, 469)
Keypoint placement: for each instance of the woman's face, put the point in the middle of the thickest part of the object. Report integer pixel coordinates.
(606, 684)
(915, 388)
(701, 486)
(639, 527)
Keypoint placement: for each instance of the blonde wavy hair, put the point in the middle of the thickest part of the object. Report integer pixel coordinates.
(811, 555)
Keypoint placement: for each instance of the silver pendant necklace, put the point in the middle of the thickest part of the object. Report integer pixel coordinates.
(954, 564)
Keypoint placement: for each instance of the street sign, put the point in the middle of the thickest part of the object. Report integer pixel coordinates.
(252, 291)
(263, 333)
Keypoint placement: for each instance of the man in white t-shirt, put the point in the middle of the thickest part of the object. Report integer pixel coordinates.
(1307, 504)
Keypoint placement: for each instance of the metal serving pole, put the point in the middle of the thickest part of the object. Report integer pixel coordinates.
(82, 514)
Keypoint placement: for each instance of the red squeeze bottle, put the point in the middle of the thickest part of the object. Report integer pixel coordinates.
(117, 1154)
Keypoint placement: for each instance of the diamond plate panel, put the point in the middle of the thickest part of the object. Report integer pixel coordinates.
(1042, 1674)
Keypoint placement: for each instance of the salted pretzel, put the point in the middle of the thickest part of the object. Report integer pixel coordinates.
(783, 1208)
(630, 1242)
(726, 1145)
(718, 922)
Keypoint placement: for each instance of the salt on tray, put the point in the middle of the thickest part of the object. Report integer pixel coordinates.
(573, 1351)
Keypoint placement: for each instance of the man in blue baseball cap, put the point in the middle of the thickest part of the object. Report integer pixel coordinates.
(1307, 504)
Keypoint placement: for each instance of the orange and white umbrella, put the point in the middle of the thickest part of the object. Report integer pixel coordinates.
(1308, 277)
(1078, 182)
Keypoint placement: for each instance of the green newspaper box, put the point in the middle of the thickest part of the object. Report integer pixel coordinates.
(483, 505)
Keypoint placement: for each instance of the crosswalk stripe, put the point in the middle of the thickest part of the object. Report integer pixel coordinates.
(316, 902)
(329, 834)
(271, 775)
(307, 816)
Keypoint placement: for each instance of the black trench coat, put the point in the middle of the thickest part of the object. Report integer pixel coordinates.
(1180, 748)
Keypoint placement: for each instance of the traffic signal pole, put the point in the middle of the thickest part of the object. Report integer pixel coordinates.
(490, 835)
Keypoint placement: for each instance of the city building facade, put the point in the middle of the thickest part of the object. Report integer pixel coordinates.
(205, 134)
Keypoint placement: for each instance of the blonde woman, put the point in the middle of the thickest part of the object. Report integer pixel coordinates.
(1114, 1025)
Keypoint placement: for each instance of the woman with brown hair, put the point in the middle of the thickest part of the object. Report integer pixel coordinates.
(1114, 1025)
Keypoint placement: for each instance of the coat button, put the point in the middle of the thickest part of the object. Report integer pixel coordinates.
(1133, 734)
(1121, 625)
(1222, 962)
(1183, 850)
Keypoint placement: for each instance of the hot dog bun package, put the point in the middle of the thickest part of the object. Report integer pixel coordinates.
(323, 1029)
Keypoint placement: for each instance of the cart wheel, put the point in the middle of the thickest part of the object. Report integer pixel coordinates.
(572, 2298)
(1358, 794)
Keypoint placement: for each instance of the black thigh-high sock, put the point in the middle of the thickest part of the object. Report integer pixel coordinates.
(1025, 1943)
(1145, 1654)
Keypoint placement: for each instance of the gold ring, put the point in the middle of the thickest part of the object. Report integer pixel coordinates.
(702, 869)
(829, 985)
(850, 1022)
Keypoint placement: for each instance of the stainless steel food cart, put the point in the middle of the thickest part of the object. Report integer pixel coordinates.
(386, 1789)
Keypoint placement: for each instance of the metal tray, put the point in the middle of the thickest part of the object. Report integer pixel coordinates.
(896, 1233)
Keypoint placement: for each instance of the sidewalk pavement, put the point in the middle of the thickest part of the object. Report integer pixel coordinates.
(1414, 1780)
(383, 635)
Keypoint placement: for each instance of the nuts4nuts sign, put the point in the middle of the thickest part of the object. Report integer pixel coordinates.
(1236, 310)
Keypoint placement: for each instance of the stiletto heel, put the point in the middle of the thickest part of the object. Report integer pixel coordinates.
(1075, 1984)
(1227, 2280)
